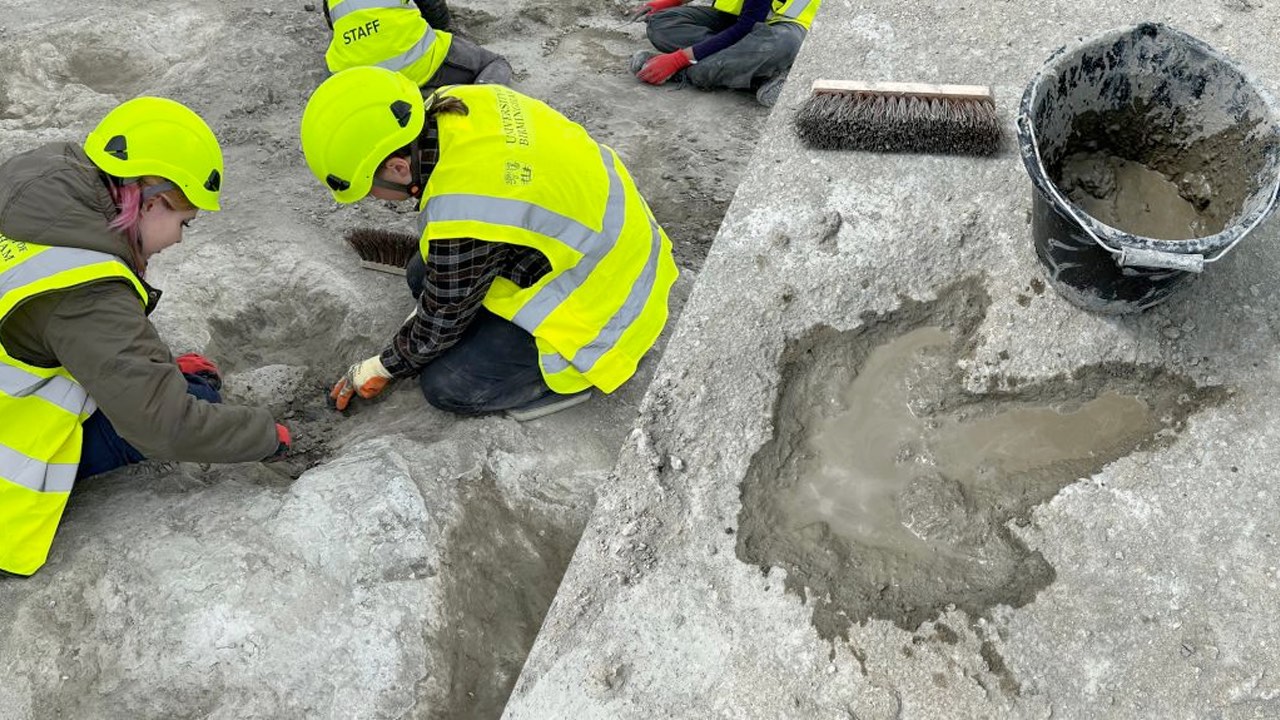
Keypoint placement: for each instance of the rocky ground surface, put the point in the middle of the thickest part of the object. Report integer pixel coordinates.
(408, 568)
(1131, 577)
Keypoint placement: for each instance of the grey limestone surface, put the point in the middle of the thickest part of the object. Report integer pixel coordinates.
(1163, 597)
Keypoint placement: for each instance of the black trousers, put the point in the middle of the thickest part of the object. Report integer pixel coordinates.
(492, 367)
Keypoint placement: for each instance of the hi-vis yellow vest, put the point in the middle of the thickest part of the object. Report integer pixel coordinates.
(388, 33)
(516, 171)
(796, 11)
(41, 409)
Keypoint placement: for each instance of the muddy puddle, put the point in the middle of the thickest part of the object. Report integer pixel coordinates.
(888, 490)
(864, 456)
(1132, 197)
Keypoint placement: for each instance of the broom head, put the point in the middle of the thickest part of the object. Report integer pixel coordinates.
(900, 117)
(383, 250)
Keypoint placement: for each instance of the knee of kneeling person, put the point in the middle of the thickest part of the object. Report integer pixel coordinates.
(446, 390)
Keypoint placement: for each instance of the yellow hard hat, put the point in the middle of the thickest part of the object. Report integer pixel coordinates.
(157, 136)
(353, 122)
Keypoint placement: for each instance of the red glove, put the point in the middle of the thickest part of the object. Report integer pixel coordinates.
(661, 67)
(654, 6)
(284, 442)
(201, 366)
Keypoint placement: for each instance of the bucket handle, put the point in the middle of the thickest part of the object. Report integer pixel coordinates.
(1126, 257)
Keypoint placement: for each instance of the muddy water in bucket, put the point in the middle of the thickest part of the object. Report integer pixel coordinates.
(1132, 197)
(1151, 155)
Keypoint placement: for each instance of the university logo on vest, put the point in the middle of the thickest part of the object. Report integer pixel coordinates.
(10, 249)
(515, 128)
(517, 173)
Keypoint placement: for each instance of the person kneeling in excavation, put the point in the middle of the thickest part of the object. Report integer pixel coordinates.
(739, 44)
(542, 272)
(86, 383)
(411, 38)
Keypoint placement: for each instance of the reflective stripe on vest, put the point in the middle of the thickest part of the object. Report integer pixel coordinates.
(343, 8)
(41, 409)
(391, 34)
(593, 246)
(590, 331)
(795, 11)
(59, 390)
(412, 55)
(36, 475)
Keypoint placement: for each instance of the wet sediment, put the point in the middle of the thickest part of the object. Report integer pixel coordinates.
(888, 489)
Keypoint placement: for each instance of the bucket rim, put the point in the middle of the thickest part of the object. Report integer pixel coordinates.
(1218, 243)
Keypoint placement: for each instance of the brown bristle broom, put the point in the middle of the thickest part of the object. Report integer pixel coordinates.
(900, 117)
(383, 250)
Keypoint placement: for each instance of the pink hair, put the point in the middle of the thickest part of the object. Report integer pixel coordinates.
(128, 199)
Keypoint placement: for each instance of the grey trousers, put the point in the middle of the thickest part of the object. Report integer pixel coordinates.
(469, 64)
(767, 51)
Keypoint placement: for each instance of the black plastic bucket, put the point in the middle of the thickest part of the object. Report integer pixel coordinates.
(1147, 99)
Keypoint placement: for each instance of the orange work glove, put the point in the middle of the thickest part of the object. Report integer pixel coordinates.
(367, 378)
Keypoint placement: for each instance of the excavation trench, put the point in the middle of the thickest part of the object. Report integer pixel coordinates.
(888, 490)
(506, 532)
(502, 566)
(375, 572)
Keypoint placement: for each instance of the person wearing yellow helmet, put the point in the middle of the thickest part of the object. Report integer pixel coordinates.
(412, 38)
(542, 272)
(86, 383)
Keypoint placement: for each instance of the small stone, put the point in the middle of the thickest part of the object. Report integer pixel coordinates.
(309, 7)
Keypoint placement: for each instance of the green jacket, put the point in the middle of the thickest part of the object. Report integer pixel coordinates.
(100, 333)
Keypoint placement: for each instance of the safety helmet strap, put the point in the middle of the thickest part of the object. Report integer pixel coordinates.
(152, 190)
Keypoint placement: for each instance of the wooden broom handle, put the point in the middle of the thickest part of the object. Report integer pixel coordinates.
(970, 92)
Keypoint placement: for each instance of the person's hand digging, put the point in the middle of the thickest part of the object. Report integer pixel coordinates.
(661, 67)
(284, 443)
(366, 378)
(652, 6)
(200, 366)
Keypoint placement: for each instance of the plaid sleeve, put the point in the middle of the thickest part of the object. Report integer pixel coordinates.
(459, 273)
